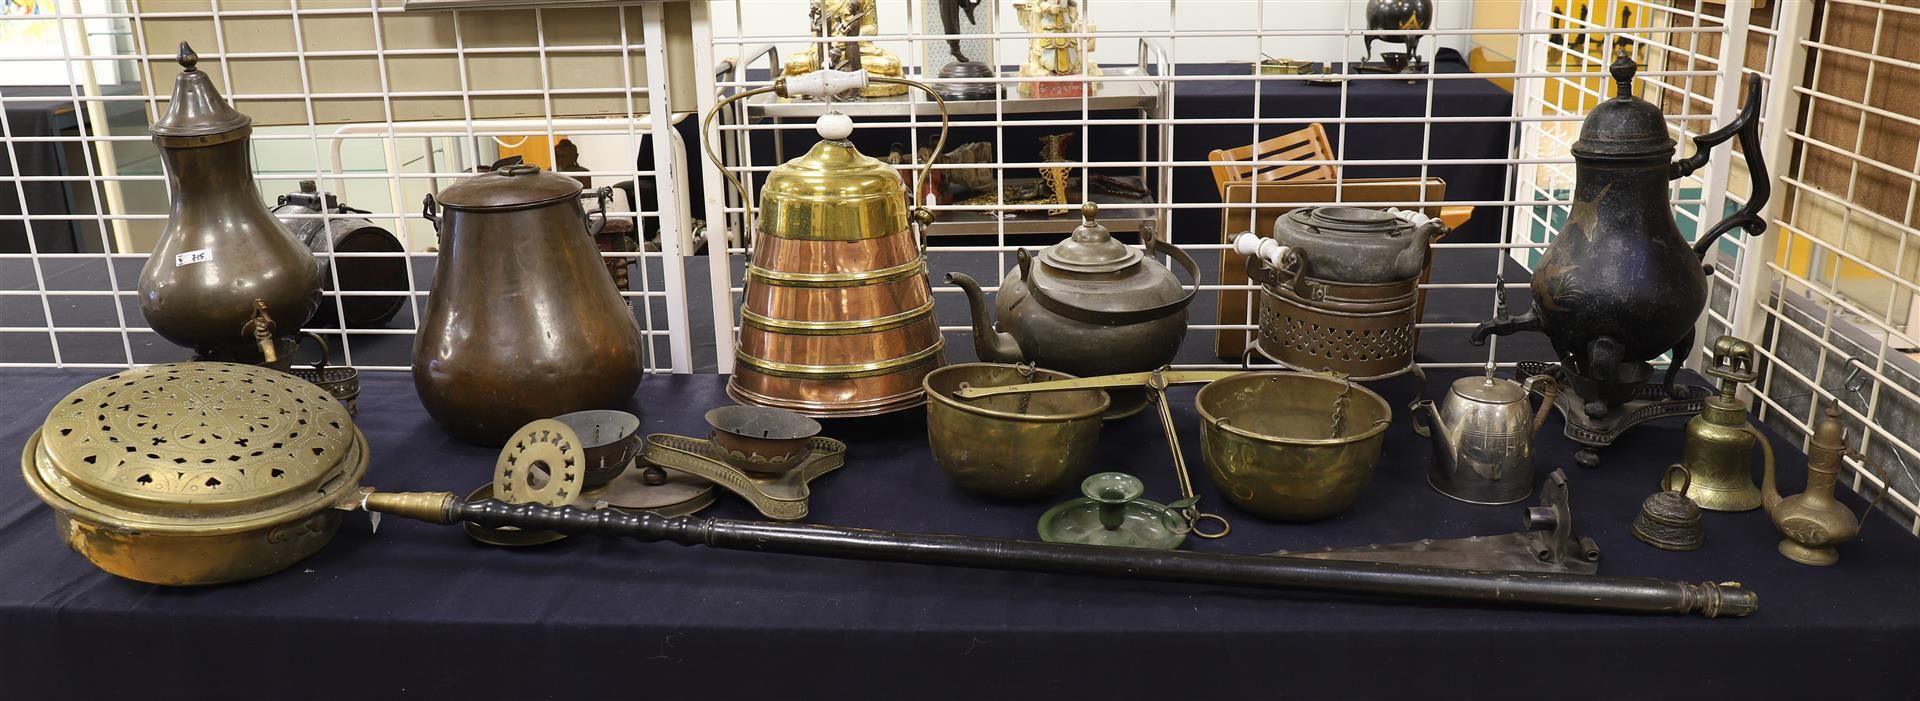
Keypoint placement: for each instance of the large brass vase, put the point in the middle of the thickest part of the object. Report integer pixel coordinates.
(223, 255)
(523, 322)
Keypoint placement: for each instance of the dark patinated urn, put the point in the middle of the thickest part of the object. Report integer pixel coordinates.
(1619, 285)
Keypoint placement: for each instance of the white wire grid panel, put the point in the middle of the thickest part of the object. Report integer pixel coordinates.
(1834, 284)
(1149, 44)
(378, 105)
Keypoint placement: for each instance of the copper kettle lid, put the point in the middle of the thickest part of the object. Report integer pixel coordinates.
(509, 185)
(196, 448)
(1091, 249)
(197, 109)
(1625, 127)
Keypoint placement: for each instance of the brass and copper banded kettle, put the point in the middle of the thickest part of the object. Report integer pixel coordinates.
(837, 317)
(226, 279)
(1087, 306)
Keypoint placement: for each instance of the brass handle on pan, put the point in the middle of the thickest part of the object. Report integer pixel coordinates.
(1131, 379)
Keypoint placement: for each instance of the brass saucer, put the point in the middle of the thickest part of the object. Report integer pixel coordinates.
(674, 494)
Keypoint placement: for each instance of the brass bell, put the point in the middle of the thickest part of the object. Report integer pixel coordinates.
(1668, 520)
(1719, 448)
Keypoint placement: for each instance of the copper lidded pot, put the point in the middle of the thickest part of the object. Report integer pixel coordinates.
(523, 322)
(226, 279)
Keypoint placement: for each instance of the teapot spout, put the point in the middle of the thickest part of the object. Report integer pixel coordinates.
(1428, 423)
(990, 345)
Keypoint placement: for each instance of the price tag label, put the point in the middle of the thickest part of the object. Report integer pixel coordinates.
(192, 257)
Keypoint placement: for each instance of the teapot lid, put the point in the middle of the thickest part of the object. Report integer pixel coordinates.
(1487, 389)
(1091, 249)
(510, 185)
(1625, 127)
(197, 109)
(1348, 221)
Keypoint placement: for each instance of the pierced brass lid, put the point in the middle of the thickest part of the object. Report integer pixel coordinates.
(196, 447)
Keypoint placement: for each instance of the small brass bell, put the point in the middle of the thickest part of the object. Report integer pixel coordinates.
(1668, 520)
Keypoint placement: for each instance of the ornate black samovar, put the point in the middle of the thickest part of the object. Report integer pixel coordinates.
(1619, 285)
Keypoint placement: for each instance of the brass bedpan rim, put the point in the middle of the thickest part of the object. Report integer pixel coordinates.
(1200, 406)
(41, 477)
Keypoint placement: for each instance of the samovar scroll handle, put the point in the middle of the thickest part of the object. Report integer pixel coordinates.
(1747, 126)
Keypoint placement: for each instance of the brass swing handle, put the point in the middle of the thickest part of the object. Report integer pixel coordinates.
(1131, 379)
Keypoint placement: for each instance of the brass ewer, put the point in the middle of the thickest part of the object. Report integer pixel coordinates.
(837, 318)
(226, 279)
(1719, 448)
(1813, 522)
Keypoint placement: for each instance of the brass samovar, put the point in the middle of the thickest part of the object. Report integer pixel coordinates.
(838, 317)
(226, 279)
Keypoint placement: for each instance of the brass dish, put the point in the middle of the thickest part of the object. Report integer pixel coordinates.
(195, 473)
(1021, 447)
(657, 490)
(612, 440)
(1291, 446)
(761, 440)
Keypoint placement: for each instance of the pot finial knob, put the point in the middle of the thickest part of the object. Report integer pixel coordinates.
(1623, 69)
(187, 58)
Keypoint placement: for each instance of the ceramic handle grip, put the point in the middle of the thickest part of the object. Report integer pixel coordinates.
(820, 84)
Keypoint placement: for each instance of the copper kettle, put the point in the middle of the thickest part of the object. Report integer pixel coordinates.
(523, 322)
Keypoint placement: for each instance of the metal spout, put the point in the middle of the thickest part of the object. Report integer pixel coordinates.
(992, 346)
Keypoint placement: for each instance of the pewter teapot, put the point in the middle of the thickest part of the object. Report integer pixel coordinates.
(1098, 307)
(1619, 285)
(1482, 438)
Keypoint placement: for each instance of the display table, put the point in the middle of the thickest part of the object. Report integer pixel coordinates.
(419, 611)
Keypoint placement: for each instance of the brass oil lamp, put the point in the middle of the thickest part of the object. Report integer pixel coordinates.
(1812, 522)
(226, 279)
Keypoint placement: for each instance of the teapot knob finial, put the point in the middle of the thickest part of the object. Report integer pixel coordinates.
(1623, 70)
(187, 58)
(1089, 212)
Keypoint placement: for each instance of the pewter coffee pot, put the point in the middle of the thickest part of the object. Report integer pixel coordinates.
(1482, 438)
(1093, 306)
(1619, 285)
(226, 279)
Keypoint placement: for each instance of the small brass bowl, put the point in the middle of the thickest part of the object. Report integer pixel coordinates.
(612, 440)
(1013, 446)
(1396, 61)
(761, 439)
(1270, 447)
